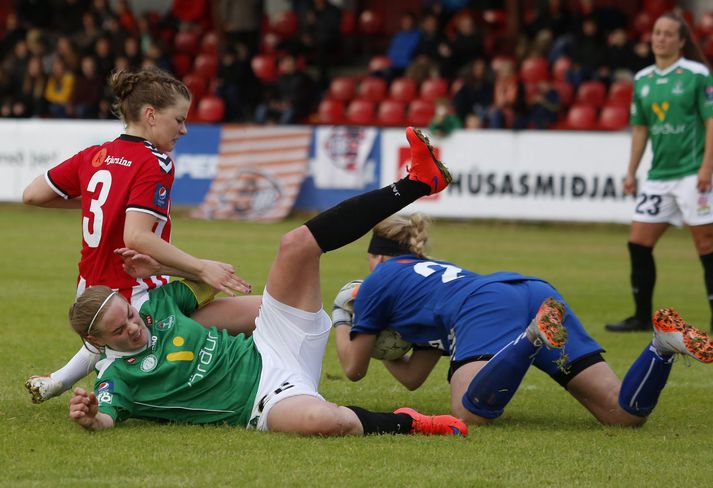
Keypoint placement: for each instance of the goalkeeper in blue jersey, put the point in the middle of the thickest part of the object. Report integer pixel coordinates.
(493, 327)
(160, 364)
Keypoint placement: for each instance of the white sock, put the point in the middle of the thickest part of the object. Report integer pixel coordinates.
(77, 368)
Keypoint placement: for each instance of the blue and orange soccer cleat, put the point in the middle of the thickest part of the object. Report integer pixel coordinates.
(425, 167)
(435, 424)
(547, 329)
(673, 335)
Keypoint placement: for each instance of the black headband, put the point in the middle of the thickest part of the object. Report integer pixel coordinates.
(387, 247)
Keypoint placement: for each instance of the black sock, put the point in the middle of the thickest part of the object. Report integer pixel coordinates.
(707, 261)
(383, 423)
(354, 217)
(643, 278)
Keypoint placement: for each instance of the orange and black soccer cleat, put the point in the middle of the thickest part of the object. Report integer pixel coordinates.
(425, 167)
(435, 424)
(673, 335)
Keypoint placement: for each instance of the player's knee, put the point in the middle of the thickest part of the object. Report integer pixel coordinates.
(460, 411)
(325, 420)
(298, 242)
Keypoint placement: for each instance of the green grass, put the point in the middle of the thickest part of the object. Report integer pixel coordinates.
(544, 439)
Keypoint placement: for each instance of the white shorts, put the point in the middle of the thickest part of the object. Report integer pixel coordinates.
(291, 343)
(676, 202)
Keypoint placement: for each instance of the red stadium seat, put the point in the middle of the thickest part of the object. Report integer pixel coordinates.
(342, 88)
(372, 89)
(206, 65)
(403, 89)
(614, 117)
(371, 22)
(420, 113)
(209, 43)
(360, 112)
(534, 69)
(196, 84)
(581, 117)
(265, 67)
(434, 88)
(331, 112)
(566, 92)
(620, 93)
(379, 63)
(591, 93)
(284, 24)
(347, 26)
(181, 64)
(186, 42)
(560, 68)
(391, 112)
(211, 109)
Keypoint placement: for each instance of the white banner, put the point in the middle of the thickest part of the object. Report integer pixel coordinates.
(341, 157)
(31, 147)
(529, 175)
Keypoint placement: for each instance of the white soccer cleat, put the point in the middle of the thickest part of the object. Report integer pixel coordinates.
(43, 388)
(547, 329)
(672, 335)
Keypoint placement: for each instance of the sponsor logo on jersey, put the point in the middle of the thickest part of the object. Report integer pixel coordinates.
(104, 397)
(679, 71)
(148, 319)
(130, 360)
(709, 93)
(148, 363)
(205, 357)
(106, 386)
(166, 323)
(660, 110)
(179, 341)
(160, 197)
(118, 160)
(662, 81)
(667, 129)
(98, 158)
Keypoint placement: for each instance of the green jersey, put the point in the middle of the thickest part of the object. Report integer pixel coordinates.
(673, 104)
(187, 373)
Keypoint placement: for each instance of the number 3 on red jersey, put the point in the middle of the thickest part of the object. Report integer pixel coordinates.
(93, 236)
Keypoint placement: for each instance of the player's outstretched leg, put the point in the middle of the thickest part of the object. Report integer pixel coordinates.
(672, 335)
(43, 388)
(434, 424)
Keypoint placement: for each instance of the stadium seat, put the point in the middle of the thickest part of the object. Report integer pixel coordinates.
(181, 64)
(581, 117)
(614, 117)
(186, 42)
(360, 112)
(591, 93)
(391, 112)
(420, 113)
(403, 89)
(534, 69)
(265, 67)
(342, 88)
(372, 89)
(196, 84)
(620, 93)
(206, 65)
(211, 109)
(284, 24)
(379, 63)
(371, 22)
(560, 68)
(657, 7)
(331, 112)
(566, 92)
(347, 25)
(209, 43)
(433, 89)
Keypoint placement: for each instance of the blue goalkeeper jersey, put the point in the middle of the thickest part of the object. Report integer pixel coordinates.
(419, 298)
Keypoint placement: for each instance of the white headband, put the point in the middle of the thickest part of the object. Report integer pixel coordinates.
(99, 310)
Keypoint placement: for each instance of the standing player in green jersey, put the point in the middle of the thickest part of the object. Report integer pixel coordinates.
(161, 364)
(673, 106)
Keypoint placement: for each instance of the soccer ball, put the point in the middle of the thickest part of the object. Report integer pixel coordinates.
(390, 345)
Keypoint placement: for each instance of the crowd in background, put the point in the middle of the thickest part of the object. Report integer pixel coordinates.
(55, 55)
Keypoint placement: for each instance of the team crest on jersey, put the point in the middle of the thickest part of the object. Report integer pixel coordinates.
(105, 386)
(98, 158)
(709, 93)
(677, 88)
(160, 197)
(148, 363)
(166, 323)
(104, 397)
(148, 319)
(645, 90)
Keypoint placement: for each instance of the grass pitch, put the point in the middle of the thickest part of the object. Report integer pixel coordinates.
(544, 439)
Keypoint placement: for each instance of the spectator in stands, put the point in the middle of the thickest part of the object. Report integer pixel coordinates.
(552, 16)
(322, 37)
(237, 84)
(16, 63)
(35, 13)
(102, 12)
(619, 56)
(422, 68)
(239, 22)
(191, 12)
(544, 107)
(126, 17)
(104, 57)
(88, 35)
(643, 56)
(466, 45)
(68, 52)
(588, 55)
(59, 89)
(291, 99)
(403, 45)
(68, 15)
(32, 90)
(155, 57)
(444, 120)
(132, 51)
(509, 107)
(14, 32)
(38, 45)
(88, 91)
(433, 43)
(473, 98)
